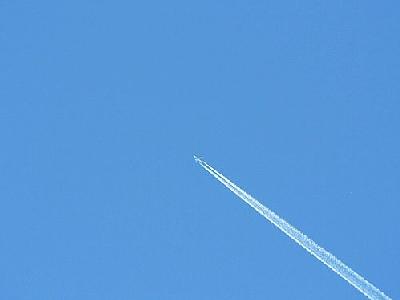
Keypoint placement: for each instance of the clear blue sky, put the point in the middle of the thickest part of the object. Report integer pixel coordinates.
(103, 104)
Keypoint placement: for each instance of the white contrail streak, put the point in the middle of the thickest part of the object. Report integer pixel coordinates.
(300, 238)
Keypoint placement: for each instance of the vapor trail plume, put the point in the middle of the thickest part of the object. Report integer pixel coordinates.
(300, 238)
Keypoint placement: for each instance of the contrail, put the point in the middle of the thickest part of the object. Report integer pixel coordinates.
(300, 238)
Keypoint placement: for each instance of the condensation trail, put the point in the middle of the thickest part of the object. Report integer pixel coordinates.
(300, 238)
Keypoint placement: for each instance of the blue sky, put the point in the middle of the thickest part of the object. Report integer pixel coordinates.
(103, 104)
